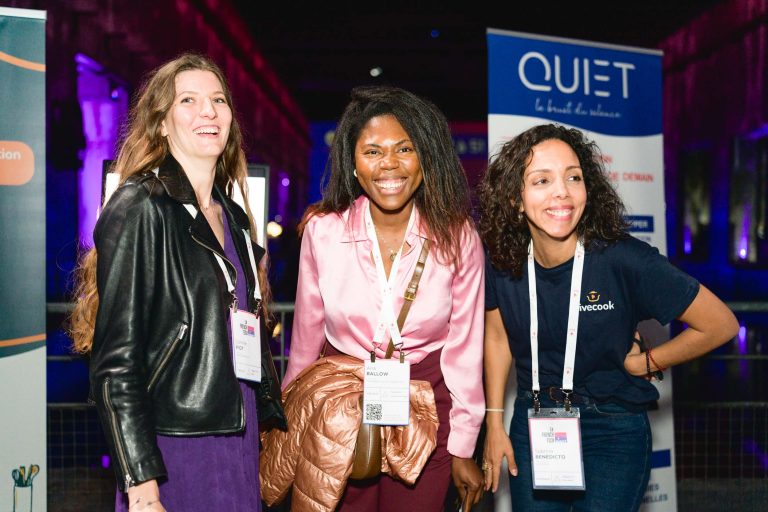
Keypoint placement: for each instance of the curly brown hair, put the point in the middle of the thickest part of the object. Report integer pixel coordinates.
(504, 229)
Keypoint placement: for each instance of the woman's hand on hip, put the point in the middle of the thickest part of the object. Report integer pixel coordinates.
(497, 447)
(468, 480)
(634, 362)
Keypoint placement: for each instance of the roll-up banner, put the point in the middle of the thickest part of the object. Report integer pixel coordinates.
(22, 261)
(613, 94)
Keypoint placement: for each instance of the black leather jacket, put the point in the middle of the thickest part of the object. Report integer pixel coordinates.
(161, 359)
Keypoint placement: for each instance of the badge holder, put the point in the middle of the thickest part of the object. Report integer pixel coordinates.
(554, 433)
(245, 326)
(555, 436)
(387, 382)
(246, 344)
(386, 391)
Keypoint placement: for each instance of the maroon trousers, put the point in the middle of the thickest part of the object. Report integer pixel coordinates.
(384, 493)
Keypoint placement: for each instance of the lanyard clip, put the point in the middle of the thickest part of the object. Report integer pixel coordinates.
(536, 401)
(567, 400)
(233, 305)
(373, 356)
(257, 308)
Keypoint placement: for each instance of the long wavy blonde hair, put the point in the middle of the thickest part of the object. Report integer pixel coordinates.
(143, 148)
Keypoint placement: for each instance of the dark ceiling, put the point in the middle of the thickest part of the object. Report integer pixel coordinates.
(323, 49)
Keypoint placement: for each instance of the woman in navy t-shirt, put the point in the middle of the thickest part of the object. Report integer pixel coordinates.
(547, 194)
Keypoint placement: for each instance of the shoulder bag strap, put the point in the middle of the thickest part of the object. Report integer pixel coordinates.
(410, 294)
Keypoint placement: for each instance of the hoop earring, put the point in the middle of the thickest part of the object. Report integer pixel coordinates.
(354, 171)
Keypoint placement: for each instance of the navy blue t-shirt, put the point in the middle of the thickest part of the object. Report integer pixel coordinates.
(623, 284)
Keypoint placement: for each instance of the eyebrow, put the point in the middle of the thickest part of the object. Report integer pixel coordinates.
(197, 93)
(404, 141)
(546, 169)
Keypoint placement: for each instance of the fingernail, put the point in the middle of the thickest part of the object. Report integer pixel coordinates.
(514, 472)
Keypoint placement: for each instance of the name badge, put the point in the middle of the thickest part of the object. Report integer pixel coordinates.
(556, 449)
(386, 392)
(246, 344)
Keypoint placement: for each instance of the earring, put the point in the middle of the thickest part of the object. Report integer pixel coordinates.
(354, 171)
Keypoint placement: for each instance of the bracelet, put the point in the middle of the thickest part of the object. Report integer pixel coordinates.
(147, 504)
(657, 365)
(494, 410)
(647, 362)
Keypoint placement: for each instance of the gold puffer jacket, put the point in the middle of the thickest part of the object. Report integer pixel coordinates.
(315, 454)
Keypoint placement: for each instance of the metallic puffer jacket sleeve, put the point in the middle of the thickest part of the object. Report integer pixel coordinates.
(315, 454)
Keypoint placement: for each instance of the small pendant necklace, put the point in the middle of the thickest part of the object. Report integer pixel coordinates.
(392, 252)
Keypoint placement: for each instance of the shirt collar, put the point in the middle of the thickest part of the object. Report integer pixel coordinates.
(355, 220)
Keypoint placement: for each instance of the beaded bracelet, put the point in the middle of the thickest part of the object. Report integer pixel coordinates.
(657, 365)
(659, 374)
(647, 362)
(494, 410)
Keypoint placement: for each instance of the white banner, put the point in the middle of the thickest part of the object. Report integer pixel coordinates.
(23, 472)
(612, 94)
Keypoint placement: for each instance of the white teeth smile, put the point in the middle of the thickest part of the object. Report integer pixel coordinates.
(559, 213)
(389, 184)
(208, 130)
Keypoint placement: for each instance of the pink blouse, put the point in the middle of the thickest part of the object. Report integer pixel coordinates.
(338, 298)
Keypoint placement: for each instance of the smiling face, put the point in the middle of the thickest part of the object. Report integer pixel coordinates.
(388, 167)
(197, 124)
(554, 194)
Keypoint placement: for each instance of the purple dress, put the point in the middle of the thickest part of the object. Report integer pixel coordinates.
(213, 472)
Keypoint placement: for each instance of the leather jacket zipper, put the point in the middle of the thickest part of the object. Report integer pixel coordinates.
(121, 457)
(166, 357)
(223, 257)
(234, 304)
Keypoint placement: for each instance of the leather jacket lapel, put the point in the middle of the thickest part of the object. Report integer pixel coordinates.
(176, 183)
(203, 234)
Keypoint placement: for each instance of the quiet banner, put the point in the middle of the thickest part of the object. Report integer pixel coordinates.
(613, 94)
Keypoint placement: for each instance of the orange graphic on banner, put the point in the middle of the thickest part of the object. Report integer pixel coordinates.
(22, 63)
(17, 163)
(22, 341)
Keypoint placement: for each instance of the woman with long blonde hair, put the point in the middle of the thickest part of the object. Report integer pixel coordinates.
(172, 290)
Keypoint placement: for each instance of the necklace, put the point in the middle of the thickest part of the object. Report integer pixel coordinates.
(392, 252)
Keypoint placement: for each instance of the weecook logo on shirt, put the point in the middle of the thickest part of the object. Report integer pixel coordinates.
(594, 297)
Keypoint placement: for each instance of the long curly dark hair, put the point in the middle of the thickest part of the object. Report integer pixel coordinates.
(443, 197)
(504, 229)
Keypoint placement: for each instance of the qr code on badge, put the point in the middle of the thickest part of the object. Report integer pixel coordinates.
(373, 412)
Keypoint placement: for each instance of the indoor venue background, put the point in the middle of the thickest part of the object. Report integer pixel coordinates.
(292, 64)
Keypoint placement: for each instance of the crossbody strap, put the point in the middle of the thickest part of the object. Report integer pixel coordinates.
(410, 294)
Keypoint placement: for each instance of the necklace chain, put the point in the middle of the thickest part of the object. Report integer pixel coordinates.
(392, 252)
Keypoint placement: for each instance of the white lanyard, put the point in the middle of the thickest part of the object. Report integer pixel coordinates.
(573, 317)
(230, 285)
(387, 318)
